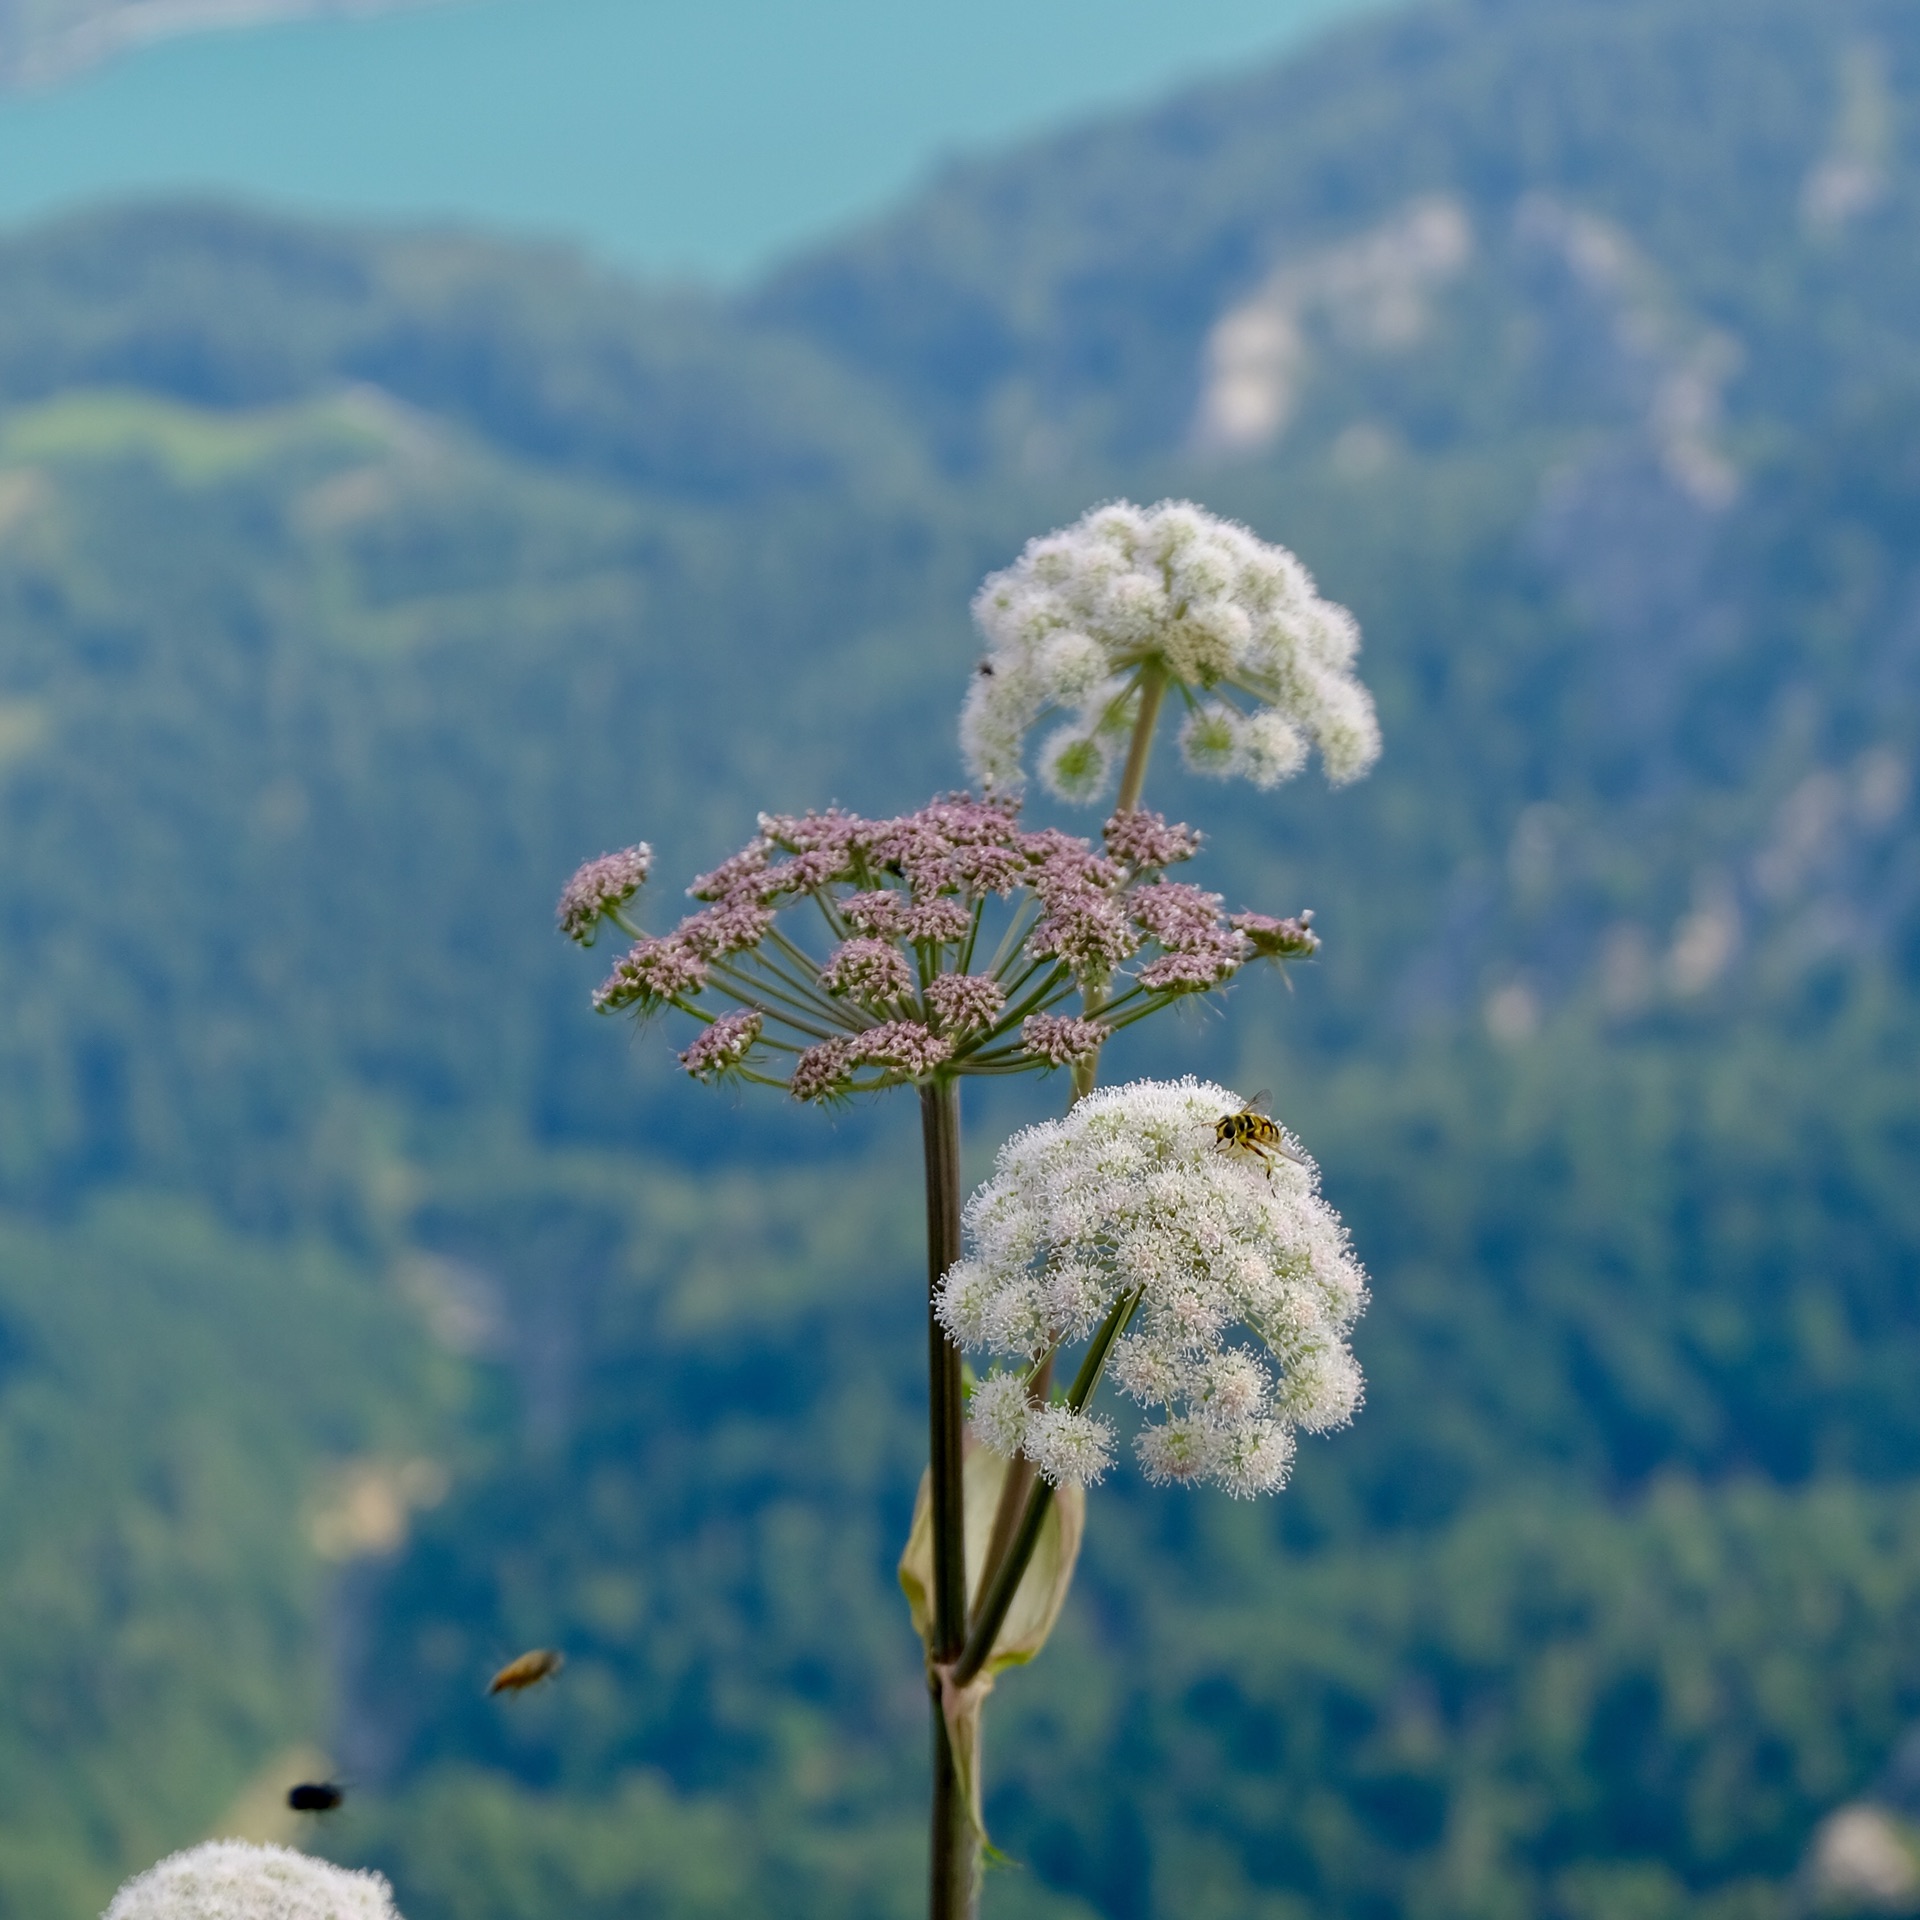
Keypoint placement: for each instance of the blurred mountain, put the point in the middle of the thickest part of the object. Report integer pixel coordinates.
(353, 587)
(47, 40)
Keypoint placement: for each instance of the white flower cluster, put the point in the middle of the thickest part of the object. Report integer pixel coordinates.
(1263, 664)
(1132, 1193)
(235, 1880)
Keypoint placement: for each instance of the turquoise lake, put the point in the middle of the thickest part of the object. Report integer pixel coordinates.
(685, 141)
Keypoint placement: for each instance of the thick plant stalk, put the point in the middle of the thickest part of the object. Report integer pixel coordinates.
(952, 1848)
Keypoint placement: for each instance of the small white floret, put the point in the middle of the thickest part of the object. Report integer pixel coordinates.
(1070, 1449)
(997, 1412)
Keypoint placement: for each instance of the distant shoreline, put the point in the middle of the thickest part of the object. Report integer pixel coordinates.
(47, 58)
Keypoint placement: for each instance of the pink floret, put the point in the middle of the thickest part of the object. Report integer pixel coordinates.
(1149, 840)
(1061, 1039)
(723, 1045)
(600, 885)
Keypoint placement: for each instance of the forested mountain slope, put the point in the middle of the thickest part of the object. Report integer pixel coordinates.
(1732, 166)
(351, 588)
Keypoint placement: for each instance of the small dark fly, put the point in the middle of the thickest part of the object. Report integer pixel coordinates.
(316, 1796)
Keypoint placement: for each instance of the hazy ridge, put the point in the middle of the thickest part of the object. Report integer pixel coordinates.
(44, 41)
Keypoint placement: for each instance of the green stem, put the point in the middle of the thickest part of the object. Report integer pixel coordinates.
(991, 1614)
(1025, 918)
(769, 1001)
(1153, 690)
(965, 962)
(951, 1850)
(1015, 1488)
(830, 914)
(1133, 778)
(951, 1873)
(1050, 987)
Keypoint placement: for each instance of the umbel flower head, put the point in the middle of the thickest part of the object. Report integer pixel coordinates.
(599, 888)
(940, 942)
(235, 1880)
(1225, 1285)
(1129, 602)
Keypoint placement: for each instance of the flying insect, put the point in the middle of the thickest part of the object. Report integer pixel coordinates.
(528, 1671)
(1256, 1134)
(316, 1796)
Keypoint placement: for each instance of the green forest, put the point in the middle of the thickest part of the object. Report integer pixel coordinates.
(370, 1311)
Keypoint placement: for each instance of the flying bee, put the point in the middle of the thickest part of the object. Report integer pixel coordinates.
(316, 1796)
(528, 1671)
(1254, 1132)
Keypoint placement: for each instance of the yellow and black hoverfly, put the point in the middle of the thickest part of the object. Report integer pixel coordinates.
(1254, 1132)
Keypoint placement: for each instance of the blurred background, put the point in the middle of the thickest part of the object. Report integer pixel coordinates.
(438, 444)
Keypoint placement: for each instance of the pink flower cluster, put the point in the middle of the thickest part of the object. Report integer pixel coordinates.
(1085, 921)
(966, 1002)
(722, 1046)
(1198, 948)
(1290, 939)
(1060, 1039)
(905, 1049)
(1146, 840)
(871, 970)
(654, 971)
(901, 993)
(600, 885)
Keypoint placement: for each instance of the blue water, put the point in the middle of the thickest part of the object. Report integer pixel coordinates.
(702, 138)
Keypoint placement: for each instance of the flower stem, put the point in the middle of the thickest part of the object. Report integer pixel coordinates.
(1015, 1488)
(1133, 778)
(991, 1614)
(952, 1850)
(1153, 690)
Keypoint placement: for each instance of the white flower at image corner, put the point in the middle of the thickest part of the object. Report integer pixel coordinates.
(1081, 623)
(236, 1880)
(1133, 1194)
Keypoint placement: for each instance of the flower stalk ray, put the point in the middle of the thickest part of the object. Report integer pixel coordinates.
(907, 899)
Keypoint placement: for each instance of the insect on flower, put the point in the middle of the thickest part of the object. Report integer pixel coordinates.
(1221, 1301)
(1253, 1132)
(543, 1663)
(316, 1796)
